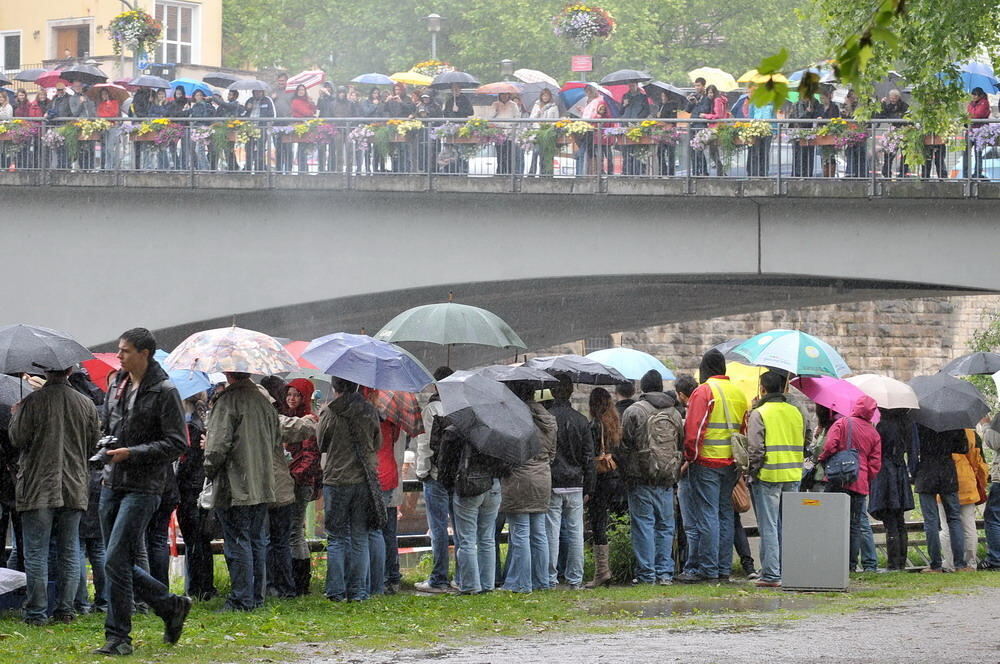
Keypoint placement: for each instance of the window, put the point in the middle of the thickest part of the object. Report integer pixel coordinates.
(11, 51)
(590, 344)
(179, 43)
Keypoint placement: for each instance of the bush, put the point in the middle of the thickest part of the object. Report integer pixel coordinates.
(622, 559)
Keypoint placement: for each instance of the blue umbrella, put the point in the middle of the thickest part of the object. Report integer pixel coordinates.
(189, 85)
(372, 79)
(571, 95)
(367, 361)
(825, 75)
(633, 364)
(188, 383)
(975, 75)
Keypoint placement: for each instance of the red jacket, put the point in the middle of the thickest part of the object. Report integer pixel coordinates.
(719, 111)
(302, 107)
(979, 109)
(699, 407)
(864, 438)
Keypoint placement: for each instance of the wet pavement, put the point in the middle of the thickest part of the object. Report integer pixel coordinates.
(945, 629)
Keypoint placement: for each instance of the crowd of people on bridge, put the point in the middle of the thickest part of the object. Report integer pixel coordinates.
(672, 460)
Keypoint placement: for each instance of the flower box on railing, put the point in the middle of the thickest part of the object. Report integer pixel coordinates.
(934, 139)
(471, 140)
(89, 137)
(819, 140)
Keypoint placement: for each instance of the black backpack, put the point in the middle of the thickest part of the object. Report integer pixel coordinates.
(438, 426)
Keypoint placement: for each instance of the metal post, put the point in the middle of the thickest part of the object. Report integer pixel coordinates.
(874, 164)
(777, 178)
(434, 46)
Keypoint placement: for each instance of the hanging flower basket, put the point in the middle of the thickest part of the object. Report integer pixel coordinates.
(135, 30)
(583, 24)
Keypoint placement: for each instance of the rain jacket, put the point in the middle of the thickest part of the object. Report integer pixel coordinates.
(864, 438)
(757, 433)
(933, 468)
(346, 416)
(971, 471)
(699, 408)
(573, 465)
(305, 465)
(56, 431)
(426, 468)
(991, 438)
(528, 488)
(240, 446)
(891, 490)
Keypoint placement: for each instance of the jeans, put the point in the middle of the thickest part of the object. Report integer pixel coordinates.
(651, 511)
(437, 500)
(857, 512)
(346, 522)
(566, 512)
(92, 548)
(741, 544)
(123, 515)
(991, 515)
(392, 573)
(378, 551)
(245, 543)
(38, 527)
(684, 499)
(527, 553)
(869, 554)
(280, 582)
(194, 524)
(767, 506)
(475, 520)
(932, 524)
(157, 547)
(712, 511)
(970, 541)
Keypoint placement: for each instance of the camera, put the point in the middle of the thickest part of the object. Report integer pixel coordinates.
(102, 457)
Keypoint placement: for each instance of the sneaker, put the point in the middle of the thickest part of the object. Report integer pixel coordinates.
(687, 577)
(984, 566)
(173, 624)
(761, 583)
(115, 647)
(63, 617)
(453, 585)
(426, 587)
(753, 576)
(391, 588)
(665, 581)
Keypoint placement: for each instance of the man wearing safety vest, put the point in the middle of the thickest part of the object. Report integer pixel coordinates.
(715, 411)
(776, 441)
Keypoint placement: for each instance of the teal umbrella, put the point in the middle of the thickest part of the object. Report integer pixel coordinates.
(793, 351)
(450, 323)
(633, 364)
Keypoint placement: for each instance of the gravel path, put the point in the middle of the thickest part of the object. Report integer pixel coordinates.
(950, 628)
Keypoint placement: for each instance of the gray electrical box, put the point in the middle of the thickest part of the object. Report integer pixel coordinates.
(815, 540)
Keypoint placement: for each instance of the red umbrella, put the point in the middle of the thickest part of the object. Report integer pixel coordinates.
(117, 92)
(50, 79)
(295, 348)
(401, 408)
(102, 366)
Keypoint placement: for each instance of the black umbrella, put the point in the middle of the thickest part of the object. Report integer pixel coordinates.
(4, 81)
(445, 80)
(30, 349)
(623, 76)
(29, 75)
(665, 87)
(947, 403)
(12, 390)
(973, 364)
(507, 373)
(495, 421)
(579, 369)
(220, 79)
(726, 348)
(87, 74)
(148, 81)
(249, 84)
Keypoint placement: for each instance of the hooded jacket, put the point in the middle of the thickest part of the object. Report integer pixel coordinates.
(634, 430)
(305, 464)
(991, 439)
(528, 488)
(346, 416)
(573, 465)
(971, 471)
(933, 468)
(864, 438)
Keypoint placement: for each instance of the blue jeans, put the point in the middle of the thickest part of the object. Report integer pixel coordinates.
(437, 503)
(767, 506)
(932, 524)
(280, 581)
(346, 522)
(527, 553)
(377, 553)
(392, 574)
(858, 502)
(92, 548)
(124, 517)
(245, 540)
(712, 511)
(651, 512)
(684, 499)
(37, 528)
(565, 518)
(475, 519)
(869, 554)
(991, 515)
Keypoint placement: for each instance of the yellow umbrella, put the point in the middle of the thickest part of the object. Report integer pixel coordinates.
(745, 377)
(748, 77)
(413, 78)
(720, 79)
(753, 76)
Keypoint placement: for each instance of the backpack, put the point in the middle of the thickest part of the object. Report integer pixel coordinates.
(476, 472)
(658, 455)
(435, 438)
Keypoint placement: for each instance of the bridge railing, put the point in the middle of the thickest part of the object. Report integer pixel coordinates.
(674, 149)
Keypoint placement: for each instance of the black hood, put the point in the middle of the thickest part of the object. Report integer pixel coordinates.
(712, 364)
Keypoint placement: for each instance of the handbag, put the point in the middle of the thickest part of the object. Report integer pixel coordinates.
(737, 441)
(604, 462)
(842, 468)
(206, 499)
(741, 496)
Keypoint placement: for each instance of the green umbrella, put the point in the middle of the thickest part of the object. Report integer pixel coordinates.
(793, 351)
(450, 323)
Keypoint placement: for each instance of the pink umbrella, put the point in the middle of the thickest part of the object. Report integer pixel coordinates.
(835, 393)
(310, 79)
(500, 88)
(50, 79)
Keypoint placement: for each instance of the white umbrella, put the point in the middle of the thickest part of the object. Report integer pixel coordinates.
(534, 76)
(310, 79)
(887, 392)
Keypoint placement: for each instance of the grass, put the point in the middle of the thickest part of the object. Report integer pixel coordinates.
(287, 630)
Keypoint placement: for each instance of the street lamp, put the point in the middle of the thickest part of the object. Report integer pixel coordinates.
(434, 27)
(506, 68)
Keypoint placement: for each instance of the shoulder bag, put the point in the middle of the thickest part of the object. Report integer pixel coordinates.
(604, 462)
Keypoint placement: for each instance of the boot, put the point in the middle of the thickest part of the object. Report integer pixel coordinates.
(302, 572)
(602, 572)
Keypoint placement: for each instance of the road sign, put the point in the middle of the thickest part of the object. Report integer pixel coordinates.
(141, 61)
(582, 63)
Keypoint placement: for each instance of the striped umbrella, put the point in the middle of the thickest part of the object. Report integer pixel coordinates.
(310, 79)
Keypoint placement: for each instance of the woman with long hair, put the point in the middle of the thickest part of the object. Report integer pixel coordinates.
(606, 428)
(719, 112)
(544, 109)
(303, 107)
(308, 477)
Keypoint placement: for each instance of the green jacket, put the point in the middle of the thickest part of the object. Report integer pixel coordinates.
(56, 430)
(240, 446)
(346, 414)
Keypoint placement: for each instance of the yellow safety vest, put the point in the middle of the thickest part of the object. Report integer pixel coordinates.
(716, 443)
(784, 436)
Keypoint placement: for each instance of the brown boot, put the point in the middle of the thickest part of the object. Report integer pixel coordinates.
(602, 571)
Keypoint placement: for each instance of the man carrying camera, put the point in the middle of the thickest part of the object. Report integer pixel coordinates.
(143, 414)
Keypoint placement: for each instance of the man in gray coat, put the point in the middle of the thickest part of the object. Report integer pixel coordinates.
(56, 430)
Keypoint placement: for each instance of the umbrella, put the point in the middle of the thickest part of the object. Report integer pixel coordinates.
(4, 81)
(494, 420)
(86, 74)
(531, 91)
(975, 75)
(534, 76)
(403, 408)
(835, 393)
(450, 323)
(579, 369)
(888, 392)
(51, 79)
(947, 403)
(372, 79)
(446, 79)
(231, 349)
(29, 75)
(503, 87)
(510, 373)
(626, 76)
(824, 74)
(632, 364)
(12, 390)
(793, 351)
(147, 81)
(573, 96)
(125, 83)
(102, 366)
(665, 87)
(249, 84)
(31, 349)
(720, 79)
(310, 79)
(367, 361)
(411, 78)
(973, 364)
(748, 76)
(188, 383)
(745, 377)
(296, 348)
(220, 79)
(189, 86)
(117, 92)
(726, 348)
